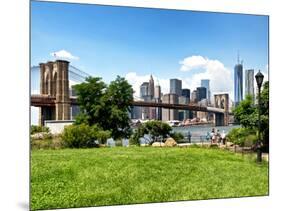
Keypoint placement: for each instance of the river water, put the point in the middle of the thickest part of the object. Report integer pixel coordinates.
(199, 132)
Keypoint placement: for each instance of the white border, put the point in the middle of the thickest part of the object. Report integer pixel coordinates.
(14, 82)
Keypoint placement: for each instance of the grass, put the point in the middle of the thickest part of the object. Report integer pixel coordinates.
(110, 176)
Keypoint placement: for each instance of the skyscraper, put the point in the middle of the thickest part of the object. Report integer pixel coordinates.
(157, 97)
(157, 92)
(175, 87)
(238, 83)
(186, 93)
(151, 87)
(183, 114)
(206, 83)
(201, 93)
(249, 83)
(194, 96)
(170, 114)
(144, 95)
(144, 89)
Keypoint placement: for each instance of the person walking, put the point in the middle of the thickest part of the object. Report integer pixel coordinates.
(223, 137)
(213, 136)
(189, 136)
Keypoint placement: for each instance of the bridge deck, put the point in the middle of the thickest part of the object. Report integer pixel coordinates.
(47, 100)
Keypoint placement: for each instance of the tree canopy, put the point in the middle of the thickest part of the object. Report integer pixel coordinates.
(106, 106)
(246, 113)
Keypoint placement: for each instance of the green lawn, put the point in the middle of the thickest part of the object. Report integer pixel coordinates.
(109, 176)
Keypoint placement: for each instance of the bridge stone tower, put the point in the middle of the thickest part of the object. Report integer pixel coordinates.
(54, 82)
(222, 101)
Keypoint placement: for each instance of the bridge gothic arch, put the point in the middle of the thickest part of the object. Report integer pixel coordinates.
(222, 102)
(54, 81)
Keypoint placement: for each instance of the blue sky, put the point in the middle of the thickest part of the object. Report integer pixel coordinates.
(137, 42)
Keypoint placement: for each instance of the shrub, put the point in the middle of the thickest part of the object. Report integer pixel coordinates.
(83, 135)
(100, 135)
(242, 136)
(78, 136)
(154, 128)
(38, 129)
(54, 143)
(177, 136)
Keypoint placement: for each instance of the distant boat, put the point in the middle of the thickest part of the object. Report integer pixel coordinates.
(174, 123)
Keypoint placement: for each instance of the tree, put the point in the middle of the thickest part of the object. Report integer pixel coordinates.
(107, 107)
(246, 113)
(90, 95)
(117, 99)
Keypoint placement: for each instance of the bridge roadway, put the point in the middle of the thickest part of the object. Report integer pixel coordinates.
(47, 100)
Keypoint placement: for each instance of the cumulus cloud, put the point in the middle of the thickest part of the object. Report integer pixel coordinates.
(64, 55)
(193, 62)
(221, 79)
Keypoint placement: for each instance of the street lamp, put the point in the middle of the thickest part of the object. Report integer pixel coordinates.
(259, 78)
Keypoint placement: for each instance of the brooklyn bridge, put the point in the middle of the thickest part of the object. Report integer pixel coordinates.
(55, 101)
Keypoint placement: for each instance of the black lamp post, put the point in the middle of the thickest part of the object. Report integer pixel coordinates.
(259, 78)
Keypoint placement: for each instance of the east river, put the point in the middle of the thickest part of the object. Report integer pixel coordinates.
(199, 132)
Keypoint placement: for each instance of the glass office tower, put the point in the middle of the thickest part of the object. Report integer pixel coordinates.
(206, 83)
(201, 93)
(175, 87)
(238, 83)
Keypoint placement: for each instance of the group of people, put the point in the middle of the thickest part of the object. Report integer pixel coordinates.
(217, 137)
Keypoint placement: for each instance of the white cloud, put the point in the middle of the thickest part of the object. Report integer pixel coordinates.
(64, 55)
(193, 62)
(221, 79)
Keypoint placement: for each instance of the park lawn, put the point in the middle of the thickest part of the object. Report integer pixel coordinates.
(110, 176)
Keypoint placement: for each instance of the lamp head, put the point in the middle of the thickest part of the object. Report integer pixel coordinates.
(259, 79)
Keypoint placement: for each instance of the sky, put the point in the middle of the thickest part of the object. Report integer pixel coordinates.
(107, 41)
